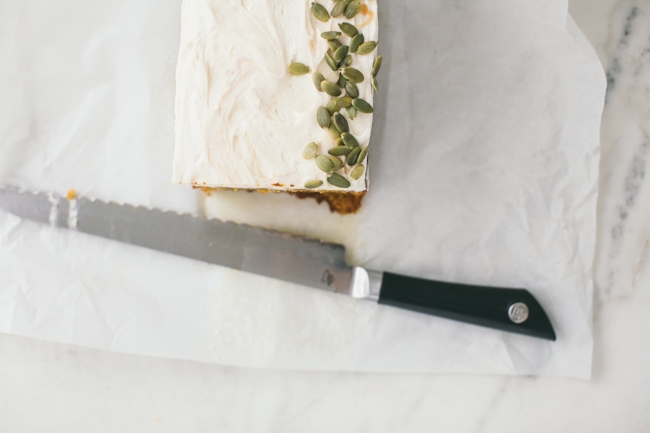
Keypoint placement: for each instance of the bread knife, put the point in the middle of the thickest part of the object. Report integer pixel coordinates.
(282, 256)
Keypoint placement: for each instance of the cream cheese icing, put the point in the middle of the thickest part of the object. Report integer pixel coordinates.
(241, 120)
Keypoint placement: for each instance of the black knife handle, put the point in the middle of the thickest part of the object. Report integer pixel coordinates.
(485, 306)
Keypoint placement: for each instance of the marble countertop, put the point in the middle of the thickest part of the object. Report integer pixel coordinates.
(43, 385)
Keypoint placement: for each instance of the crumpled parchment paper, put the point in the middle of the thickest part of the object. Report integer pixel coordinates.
(484, 170)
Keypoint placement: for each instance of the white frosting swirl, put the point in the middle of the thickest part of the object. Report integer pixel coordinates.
(241, 119)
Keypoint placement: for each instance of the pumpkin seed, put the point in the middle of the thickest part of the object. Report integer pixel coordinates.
(349, 140)
(334, 133)
(310, 150)
(355, 42)
(353, 156)
(376, 66)
(347, 61)
(344, 102)
(330, 88)
(352, 74)
(363, 155)
(338, 180)
(339, 8)
(324, 163)
(352, 112)
(331, 106)
(330, 62)
(362, 106)
(330, 35)
(334, 45)
(340, 123)
(311, 184)
(357, 172)
(323, 117)
(339, 151)
(373, 83)
(320, 12)
(351, 89)
(340, 53)
(342, 81)
(367, 48)
(296, 69)
(337, 103)
(318, 78)
(352, 9)
(348, 29)
(337, 164)
(339, 143)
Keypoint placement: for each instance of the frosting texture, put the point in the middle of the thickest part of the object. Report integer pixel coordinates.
(241, 120)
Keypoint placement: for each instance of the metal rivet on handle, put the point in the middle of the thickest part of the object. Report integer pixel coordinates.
(518, 312)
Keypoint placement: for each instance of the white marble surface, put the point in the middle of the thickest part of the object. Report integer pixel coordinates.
(45, 386)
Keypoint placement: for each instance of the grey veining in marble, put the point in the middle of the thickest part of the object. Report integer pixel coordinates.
(624, 207)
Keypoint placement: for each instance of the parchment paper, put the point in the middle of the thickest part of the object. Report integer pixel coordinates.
(484, 170)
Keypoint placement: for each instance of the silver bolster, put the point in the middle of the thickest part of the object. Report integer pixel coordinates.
(366, 284)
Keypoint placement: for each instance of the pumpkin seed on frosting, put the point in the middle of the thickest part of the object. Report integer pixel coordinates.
(342, 81)
(330, 62)
(311, 184)
(356, 42)
(357, 172)
(317, 78)
(323, 117)
(310, 150)
(338, 180)
(349, 140)
(340, 123)
(330, 35)
(353, 156)
(352, 74)
(376, 66)
(337, 164)
(319, 11)
(362, 105)
(330, 88)
(334, 44)
(352, 9)
(373, 83)
(362, 155)
(366, 48)
(339, 151)
(348, 29)
(297, 69)
(340, 53)
(334, 133)
(324, 163)
(339, 8)
(342, 102)
(331, 106)
(352, 90)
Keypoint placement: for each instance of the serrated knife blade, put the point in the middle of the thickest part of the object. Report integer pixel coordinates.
(282, 256)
